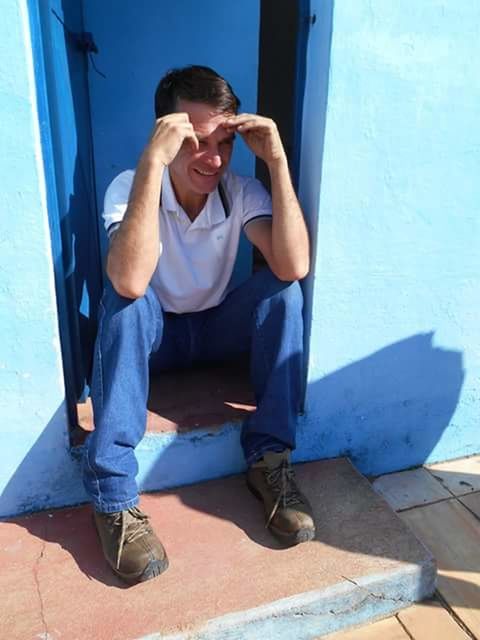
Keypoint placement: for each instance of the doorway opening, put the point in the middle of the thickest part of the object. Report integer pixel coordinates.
(103, 61)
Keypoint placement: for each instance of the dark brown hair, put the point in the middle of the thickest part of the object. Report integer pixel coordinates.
(197, 84)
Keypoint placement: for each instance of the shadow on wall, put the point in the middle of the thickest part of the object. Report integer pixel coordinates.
(47, 476)
(385, 412)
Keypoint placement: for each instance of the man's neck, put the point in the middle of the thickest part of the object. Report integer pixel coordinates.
(192, 203)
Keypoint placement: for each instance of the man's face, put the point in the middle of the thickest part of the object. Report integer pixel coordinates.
(198, 172)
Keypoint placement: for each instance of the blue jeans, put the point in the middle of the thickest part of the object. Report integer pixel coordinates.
(263, 316)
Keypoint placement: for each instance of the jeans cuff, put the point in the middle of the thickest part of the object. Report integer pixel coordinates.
(256, 455)
(113, 507)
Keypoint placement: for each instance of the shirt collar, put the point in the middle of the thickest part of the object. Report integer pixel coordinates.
(216, 209)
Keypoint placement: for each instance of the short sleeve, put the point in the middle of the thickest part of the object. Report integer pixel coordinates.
(257, 202)
(116, 200)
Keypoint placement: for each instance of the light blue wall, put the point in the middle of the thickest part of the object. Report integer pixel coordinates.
(395, 339)
(36, 467)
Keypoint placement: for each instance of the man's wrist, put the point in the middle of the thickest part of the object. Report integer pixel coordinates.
(153, 160)
(279, 163)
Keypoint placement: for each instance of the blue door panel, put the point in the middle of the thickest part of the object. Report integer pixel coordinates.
(75, 242)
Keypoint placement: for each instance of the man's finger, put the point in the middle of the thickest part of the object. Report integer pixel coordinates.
(243, 117)
(178, 116)
(172, 118)
(193, 139)
(252, 125)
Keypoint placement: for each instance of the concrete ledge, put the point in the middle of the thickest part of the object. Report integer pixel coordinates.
(315, 613)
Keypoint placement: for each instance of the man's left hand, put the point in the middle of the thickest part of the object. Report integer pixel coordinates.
(260, 134)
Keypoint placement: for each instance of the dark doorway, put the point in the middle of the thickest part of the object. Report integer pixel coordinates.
(282, 52)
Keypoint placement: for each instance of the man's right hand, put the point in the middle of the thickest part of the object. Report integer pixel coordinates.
(168, 135)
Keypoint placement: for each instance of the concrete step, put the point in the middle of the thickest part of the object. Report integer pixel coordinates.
(186, 400)
(228, 578)
(194, 422)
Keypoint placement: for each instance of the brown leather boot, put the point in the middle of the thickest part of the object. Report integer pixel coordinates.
(130, 545)
(288, 512)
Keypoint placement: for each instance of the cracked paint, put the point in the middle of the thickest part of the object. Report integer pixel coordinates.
(45, 635)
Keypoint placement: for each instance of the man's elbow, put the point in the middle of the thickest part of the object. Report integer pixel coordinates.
(126, 290)
(126, 287)
(296, 270)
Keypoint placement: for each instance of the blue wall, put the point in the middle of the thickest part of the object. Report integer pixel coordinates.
(395, 340)
(36, 467)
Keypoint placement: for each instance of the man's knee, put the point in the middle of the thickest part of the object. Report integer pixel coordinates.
(287, 293)
(292, 295)
(130, 315)
(112, 303)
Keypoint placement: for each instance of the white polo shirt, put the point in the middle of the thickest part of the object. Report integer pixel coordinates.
(197, 258)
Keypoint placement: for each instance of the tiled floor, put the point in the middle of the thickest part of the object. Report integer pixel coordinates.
(441, 503)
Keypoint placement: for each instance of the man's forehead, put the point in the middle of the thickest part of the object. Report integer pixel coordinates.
(204, 117)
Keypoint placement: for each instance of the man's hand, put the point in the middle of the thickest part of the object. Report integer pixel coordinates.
(136, 246)
(168, 135)
(260, 134)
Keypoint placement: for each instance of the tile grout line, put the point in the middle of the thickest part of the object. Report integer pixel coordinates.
(475, 515)
(425, 504)
(454, 615)
(439, 479)
(404, 627)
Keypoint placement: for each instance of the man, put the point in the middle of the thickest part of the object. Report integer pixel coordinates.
(174, 228)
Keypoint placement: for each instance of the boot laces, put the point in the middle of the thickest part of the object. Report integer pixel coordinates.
(282, 480)
(134, 524)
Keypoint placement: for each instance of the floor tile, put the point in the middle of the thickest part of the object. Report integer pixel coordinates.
(458, 476)
(409, 489)
(452, 534)
(472, 502)
(430, 621)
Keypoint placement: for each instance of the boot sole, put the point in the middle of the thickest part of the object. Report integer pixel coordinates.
(152, 570)
(288, 539)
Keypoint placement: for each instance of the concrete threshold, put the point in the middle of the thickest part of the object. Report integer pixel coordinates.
(228, 578)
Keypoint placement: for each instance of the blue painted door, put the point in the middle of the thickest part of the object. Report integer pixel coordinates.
(71, 179)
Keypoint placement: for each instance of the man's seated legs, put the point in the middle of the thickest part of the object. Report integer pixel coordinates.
(129, 330)
(264, 316)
